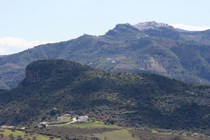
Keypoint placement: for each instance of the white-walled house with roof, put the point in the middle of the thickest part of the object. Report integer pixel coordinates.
(80, 119)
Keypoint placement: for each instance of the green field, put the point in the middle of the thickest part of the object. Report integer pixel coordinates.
(122, 134)
(96, 130)
(115, 133)
(93, 124)
(7, 133)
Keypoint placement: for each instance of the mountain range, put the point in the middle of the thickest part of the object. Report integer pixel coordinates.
(146, 47)
(55, 87)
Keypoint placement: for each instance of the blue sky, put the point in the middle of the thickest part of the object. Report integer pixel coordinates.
(25, 23)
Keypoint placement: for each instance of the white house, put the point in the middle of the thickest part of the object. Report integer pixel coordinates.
(80, 119)
(43, 124)
(7, 127)
(64, 117)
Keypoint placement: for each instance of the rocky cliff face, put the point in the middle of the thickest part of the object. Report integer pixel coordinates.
(152, 25)
(158, 29)
(40, 71)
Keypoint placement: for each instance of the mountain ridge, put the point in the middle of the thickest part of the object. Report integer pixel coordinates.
(124, 48)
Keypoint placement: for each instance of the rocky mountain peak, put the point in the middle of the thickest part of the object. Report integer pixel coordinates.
(122, 29)
(152, 25)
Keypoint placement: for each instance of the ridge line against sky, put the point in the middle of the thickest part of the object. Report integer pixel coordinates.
(32, 22)
(10, 45)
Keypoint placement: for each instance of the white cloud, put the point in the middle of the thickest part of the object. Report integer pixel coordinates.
(9, 45)
(190, 27)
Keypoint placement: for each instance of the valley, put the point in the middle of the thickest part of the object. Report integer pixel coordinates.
(148, 81)
(52, 88)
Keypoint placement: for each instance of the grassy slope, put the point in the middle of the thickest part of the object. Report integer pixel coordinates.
(96, 124)
(17, 133)
(128, 133)
(122, 134)
(111, 132)
(151, 135)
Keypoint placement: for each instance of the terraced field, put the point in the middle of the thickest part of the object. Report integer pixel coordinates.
(122, 134)
(155, 135)
(90, 130)
(92, 124)
(95, 130)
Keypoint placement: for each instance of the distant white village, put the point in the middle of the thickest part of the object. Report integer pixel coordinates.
(65, 119)
(75, 119)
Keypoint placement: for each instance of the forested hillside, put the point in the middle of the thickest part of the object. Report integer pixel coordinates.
(54, 87)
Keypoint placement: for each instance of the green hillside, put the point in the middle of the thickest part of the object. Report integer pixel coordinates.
(55, 87)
